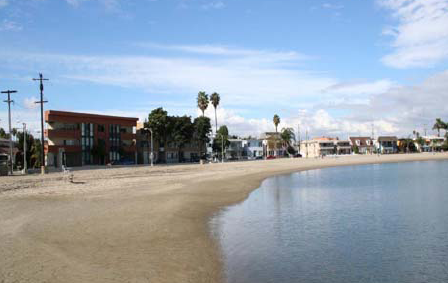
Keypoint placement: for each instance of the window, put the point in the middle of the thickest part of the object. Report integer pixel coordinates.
(358, 142)
(101, 128)
(87, 142)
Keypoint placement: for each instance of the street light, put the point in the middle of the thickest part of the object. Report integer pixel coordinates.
(151, 156)
(25, 165)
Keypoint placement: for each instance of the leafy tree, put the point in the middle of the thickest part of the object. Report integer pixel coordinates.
(202, 101)
(181, 131)
(35, 160)
(158, 122)
(3, 134)
(356, 149)
(276, 121)
(439, 124)
(29, 146)
(287, 135)
(215, 98)
(222, 139)
(202, 129)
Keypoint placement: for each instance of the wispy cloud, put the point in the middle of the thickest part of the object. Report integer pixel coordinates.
(322, 103)
(213, 5)
(7, 25)
(420, 38)
(332, 6)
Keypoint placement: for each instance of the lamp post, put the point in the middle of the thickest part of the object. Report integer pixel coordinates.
(25, 165)
(151, 156)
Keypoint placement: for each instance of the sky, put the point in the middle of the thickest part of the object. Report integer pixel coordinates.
(333, 68)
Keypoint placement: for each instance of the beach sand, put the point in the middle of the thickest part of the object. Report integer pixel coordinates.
(137, 224)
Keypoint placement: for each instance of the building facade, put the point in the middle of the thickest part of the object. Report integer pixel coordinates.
(78, 139)
(387, 144)
(365, 145)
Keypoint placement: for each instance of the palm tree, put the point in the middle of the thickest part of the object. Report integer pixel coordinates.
(214, 98)
(287, 134)
(202, 101)
(276, 121)
(439, 124)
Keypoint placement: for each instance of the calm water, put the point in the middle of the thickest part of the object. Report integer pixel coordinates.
(372, 223)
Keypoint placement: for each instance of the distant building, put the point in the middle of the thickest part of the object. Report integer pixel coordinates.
(77, 139)
(365, 145)
(431, 143)
(4, 149)
(387, 144)
(273, 144)
(323, 146)
(253, 148)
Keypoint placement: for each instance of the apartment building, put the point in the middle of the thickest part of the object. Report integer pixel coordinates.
(77, 139)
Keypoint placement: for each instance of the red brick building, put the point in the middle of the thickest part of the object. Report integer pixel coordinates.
(77, 139)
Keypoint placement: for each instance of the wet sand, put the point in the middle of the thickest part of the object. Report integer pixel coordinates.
(137, 224)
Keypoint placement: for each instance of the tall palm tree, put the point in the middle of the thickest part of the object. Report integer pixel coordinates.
(439, 124)
(276, 121)
(214, 98)
(202, 101)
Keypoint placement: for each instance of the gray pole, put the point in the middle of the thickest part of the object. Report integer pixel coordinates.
(222, 148)
(11, 157)
(25, 169)
(41, 102)
(152, 149)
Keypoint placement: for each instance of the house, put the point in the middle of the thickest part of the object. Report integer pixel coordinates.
(273, 145)
(431, 143)
(77, 139)
(387, 144)
(363, 145)
(343, 147)
(253, 148)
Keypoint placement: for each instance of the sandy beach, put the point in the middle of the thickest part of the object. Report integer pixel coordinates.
(136, 224)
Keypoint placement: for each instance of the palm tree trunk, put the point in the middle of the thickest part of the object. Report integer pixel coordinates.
(216, 122)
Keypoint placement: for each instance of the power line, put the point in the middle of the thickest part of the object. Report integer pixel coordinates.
(41, 102)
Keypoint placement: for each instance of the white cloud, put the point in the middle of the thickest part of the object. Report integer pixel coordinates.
(260, 86)
(420, 38)
(7, 25)
(332, 6)
(213, 5)
(29, 102)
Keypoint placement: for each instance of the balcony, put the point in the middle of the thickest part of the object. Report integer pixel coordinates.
(60, 133)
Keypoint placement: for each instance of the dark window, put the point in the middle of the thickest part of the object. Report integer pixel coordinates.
(101, 128)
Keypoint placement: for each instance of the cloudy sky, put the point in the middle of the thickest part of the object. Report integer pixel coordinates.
(332, 67)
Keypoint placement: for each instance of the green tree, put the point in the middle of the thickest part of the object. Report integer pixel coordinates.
(181, 131)
(439, 124)
(202, 129)
(158, 123)
(215, 98)
(35, 160)
(3, 134)
(202, 101)
(276, 121)
(287, 135)
(29, 145)
(222, 139)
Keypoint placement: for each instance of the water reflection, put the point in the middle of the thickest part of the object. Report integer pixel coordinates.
(372, 223)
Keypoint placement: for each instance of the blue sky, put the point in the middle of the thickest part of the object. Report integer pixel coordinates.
(334, 67)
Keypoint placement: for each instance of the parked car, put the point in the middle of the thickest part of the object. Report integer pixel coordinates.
(271, 157)
(297, 155)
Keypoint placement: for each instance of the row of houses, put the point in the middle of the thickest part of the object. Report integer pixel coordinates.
(77, 139)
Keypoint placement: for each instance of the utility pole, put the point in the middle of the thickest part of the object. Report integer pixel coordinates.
(424, 125)
(152, 148)
(9, 92)
(222, 148)
(306, 142)
(25, 166)
(41, 102)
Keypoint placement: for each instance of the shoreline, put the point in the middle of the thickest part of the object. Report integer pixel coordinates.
(138, 224)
